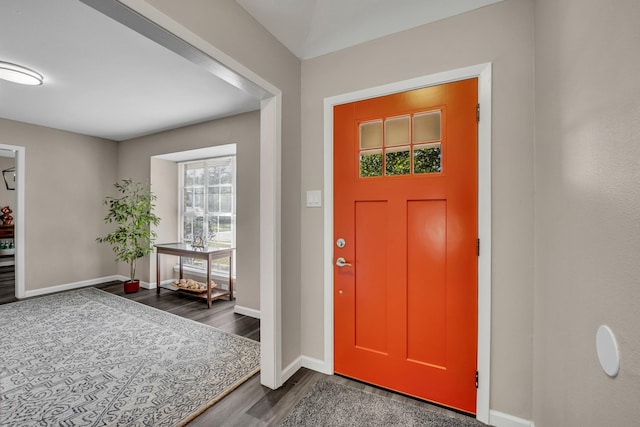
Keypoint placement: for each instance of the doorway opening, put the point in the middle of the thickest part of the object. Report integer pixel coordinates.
(7, 243)
(12, 195)
(178, 39)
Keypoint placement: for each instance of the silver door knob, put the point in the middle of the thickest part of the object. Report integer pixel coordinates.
(340, 262)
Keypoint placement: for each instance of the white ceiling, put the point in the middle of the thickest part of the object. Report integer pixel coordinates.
(310, 28)
(106, 80)
(101, 78)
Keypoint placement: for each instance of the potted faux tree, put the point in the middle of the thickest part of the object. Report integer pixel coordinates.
(133, 238)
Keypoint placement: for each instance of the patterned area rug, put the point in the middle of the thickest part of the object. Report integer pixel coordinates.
(89, 358)
(332, 404)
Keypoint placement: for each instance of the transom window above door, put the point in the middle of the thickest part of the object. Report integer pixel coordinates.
(405, 145)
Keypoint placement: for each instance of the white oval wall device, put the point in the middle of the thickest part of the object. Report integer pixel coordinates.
(608, 353)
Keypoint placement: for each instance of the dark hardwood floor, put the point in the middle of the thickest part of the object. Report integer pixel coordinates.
(251, 404)
(7, 285)
(220, 315)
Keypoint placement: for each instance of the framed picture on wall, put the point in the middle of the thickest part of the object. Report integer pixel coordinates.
(9, 176)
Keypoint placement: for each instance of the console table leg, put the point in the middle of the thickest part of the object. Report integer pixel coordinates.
(231, 298)
(157, 273)
(209, 282)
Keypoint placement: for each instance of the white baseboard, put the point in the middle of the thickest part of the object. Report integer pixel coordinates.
(291, 369)
(70, 286)
(315, 365)
(153, 285)
(500, 419)
(304, 362)
(246, 311)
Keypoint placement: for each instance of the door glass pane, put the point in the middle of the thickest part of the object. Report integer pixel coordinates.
(427, 158)
(396, 131)
(411, 144)
(426, 127)
(398, 161)
(371, 163)
(371, 135)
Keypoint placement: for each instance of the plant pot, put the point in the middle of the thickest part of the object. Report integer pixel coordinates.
(131, 286)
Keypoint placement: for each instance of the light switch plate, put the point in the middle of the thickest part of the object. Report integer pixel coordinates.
(314, 198)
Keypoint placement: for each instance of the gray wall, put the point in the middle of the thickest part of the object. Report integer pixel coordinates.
(134, 160)
(502, 34)
(67, 177)
(164, 181)
(587, 159)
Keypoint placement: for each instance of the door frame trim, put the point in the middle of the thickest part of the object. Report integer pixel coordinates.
(484, 74)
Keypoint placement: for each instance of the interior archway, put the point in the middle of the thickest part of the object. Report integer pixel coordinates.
(150, 23)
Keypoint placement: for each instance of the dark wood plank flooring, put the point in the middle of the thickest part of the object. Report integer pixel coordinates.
(220, 315)
(7, 285)
(251, 404)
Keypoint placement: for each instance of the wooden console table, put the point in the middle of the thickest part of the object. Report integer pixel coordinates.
(208, 254)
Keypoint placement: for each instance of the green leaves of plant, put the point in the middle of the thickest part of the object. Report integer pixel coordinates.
(133, 213)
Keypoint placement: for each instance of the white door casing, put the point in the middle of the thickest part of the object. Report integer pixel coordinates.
(484, 74)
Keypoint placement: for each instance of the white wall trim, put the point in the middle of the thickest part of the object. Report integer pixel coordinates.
(70, 286)
(500, 419)
(149, 285)
(484, 234)
(270, 245)
(292, 368)
(483, 73)
(314, 364)
(246, 311)
(304, 362)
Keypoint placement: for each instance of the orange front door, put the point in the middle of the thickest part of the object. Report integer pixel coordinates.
(405, 209)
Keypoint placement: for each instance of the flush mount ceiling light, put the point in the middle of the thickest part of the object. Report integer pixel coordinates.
(19, 74)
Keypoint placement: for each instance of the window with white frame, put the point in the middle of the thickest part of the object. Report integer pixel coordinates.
(208, 206)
